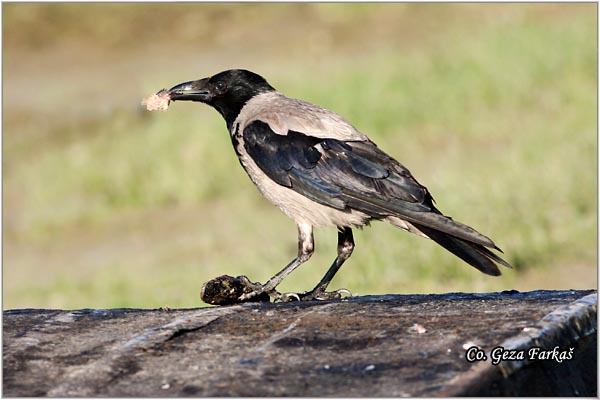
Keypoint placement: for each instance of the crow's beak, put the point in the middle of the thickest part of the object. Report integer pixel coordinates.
(191, 91)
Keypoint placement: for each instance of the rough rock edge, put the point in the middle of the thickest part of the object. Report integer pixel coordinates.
(578, 318)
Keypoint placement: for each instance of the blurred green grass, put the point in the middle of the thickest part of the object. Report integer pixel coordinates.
(491, 106)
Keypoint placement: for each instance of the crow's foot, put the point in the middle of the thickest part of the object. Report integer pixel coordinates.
(255, 291)
(323, 295)
(226, 289)
(315, 295)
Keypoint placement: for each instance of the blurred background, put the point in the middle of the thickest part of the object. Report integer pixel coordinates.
(492, 106)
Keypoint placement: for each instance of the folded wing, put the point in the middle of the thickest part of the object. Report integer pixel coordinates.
(358, 175)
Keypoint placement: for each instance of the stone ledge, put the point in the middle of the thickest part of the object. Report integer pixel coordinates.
(391, 345)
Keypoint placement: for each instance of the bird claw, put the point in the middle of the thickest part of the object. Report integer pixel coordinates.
(290, 296)
(322, 295)
(307, 296)
(341, 292)
(275, 295)
(259, 289)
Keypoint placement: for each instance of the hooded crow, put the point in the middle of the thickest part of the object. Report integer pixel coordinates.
(321, 171)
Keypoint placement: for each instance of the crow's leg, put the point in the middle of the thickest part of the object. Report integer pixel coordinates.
(344, 251)
(306, 248)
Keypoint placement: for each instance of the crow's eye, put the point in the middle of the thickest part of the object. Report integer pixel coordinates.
(220, 86)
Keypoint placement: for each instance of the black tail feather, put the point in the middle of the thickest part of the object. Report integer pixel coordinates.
(472, 253)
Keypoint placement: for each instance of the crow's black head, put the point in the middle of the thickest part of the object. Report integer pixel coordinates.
(226, 91)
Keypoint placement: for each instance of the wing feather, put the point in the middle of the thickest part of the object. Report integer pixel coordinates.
(360, 176)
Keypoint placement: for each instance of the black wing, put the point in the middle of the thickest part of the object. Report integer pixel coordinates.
(358, 175)
(336, 173)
